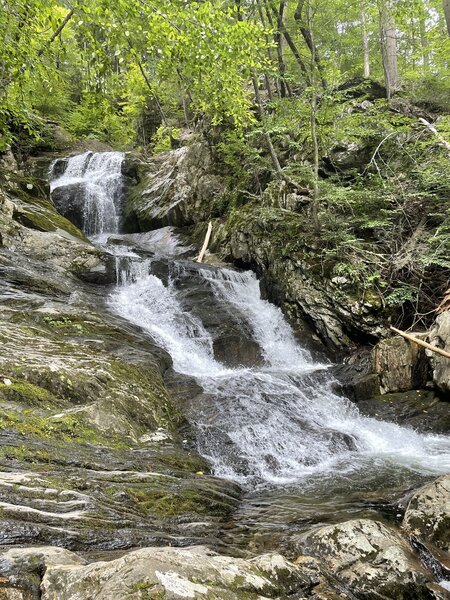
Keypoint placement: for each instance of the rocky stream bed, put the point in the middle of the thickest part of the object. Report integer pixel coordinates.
(153, 442)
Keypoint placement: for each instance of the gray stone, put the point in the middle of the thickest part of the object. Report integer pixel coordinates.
(440, 336)
(179, 188)
(370, 558)
(428, 513)
(401, 366)
(175, 573)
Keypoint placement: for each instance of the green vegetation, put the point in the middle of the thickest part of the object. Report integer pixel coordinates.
(334, 111)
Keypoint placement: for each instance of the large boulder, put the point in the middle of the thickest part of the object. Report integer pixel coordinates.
(21, 570)
(428, 513)
(175, 573)
(370, 558)
(400, 365)
(179, 188)
(440, 336)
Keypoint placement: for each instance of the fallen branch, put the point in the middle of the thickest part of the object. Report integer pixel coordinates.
(415, 340)
(433, 130)
(205, 243)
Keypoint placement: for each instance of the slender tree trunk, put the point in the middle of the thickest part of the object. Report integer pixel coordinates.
(365, 40)
(308, 36)
(279, 43)
(290, 42)
(424, 42)
(388, 34)
(315, 141)
(273, 154)
(269, 51)
(447, 14)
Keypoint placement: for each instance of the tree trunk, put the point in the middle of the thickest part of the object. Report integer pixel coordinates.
(315, 141)
(273, 155)
(290, 42)
(447, 14)
(279, 42)
(307, 33)
(365, 40)
(424, 43)
(388, 35)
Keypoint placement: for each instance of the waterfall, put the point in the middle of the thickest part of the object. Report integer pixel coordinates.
(279, 422)
(93, 181)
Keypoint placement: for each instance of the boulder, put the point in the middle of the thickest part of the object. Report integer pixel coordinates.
(428, 513)
(21, 570)
(175, 573)
(400, 365)
(70, 201)
(370, 558)
(179, 189)
(440, 336)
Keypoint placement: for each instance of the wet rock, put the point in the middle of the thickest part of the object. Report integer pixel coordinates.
(179, 189)
(400, 365)
(285, 260)
(22, 569)
(69, 200)
(419, 409)
(233, 343)
(439, 336)
(428, 513)
(370, 558)
(176, 573)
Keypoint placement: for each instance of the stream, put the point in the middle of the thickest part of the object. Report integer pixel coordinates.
(263, 412)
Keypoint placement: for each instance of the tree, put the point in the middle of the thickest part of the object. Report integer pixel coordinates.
(388, 36)
(365, 40)
(447, 14)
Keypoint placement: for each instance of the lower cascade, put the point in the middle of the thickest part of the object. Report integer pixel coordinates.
(272, 420)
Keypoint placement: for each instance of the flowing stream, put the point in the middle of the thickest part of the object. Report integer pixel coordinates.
(270, 418)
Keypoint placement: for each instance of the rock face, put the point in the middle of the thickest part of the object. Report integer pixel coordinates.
(428, 513)
(400, 365)
(279, 248)
(440, 336)
(90, 451)
(179, 188)
(370, 558)
(182, 188)
(176, 573)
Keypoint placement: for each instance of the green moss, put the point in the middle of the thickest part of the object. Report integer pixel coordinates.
(36, 210)
(168, 502)
(24, 454)
(28, 393)
(66, 428)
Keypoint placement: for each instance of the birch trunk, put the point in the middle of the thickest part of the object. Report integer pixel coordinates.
(365, 40)
(389, 46)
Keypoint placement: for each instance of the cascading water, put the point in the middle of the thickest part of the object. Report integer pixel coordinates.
(276, 423)
(97, 180)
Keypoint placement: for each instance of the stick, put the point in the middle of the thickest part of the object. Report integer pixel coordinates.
(205, 243)
(433, 130)
(412, 338)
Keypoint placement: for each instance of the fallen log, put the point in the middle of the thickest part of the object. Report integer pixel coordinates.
(415, 340)
(205, 243)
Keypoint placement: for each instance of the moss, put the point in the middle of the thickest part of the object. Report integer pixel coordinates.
(66, 428)
(24, 454)
(28, 393)
(36, 210)
(168, 502)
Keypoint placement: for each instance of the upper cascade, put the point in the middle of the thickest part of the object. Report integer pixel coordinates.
(87, 189)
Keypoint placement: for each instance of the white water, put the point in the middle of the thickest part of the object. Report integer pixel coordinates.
(281, 422)
(98, 177)
(278, 423)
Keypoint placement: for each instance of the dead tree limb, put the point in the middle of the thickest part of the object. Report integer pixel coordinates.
(426, 345)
